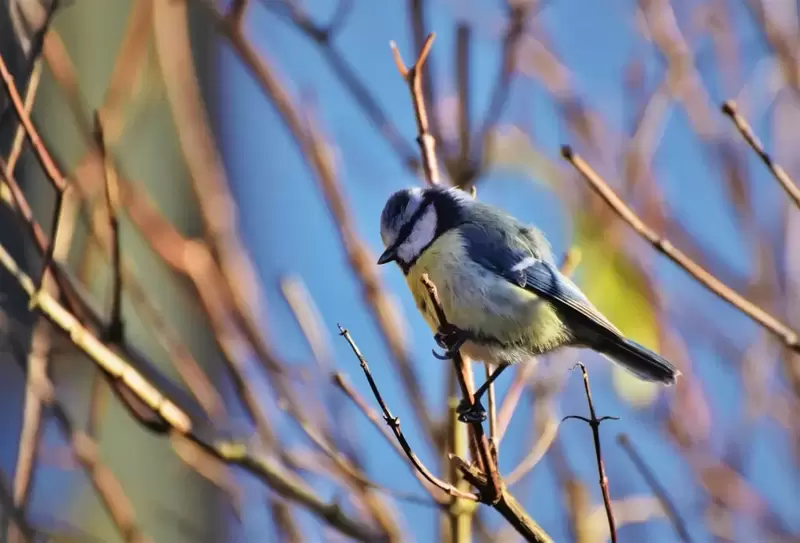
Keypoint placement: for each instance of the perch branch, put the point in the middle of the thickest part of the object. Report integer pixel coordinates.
(484, 450)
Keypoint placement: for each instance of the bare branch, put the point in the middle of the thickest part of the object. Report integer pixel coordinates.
(594, 422)
(664, 246)
(413, 77)
(42, 154)
(343, 383)
(730, 110)
(463, 40)
(394, 423)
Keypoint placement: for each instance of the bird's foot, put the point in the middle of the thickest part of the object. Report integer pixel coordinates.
(450, 339)
(471, 413)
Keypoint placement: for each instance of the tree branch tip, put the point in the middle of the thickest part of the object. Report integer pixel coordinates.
(398, 60)
(426, 49)
(578, 417)
(729, 108)
(578, 364)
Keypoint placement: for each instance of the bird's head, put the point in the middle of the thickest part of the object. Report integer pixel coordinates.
(413, 218)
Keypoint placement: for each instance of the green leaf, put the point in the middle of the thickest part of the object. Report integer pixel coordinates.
(621, 291)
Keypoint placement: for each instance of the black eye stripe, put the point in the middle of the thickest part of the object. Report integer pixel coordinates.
(408, 227)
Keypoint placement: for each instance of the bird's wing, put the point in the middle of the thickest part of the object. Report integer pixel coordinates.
(521, 263)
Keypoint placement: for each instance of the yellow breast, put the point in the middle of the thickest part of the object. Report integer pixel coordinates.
(473, 298)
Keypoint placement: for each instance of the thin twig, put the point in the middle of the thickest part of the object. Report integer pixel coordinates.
(463, 40)
(286, 528)
(114, 333)
(729, 109)
(594, 422)
(420, 36)
(30, 97)
(394, 423)
(413, 77)
(666, 502)
(31, 432)
(46, 161)
(343, 383)
(664, 246)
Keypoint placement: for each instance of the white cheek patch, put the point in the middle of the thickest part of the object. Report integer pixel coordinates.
(421, 236)
(524, 264)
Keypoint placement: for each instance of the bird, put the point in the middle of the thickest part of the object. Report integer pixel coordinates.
(502, 293)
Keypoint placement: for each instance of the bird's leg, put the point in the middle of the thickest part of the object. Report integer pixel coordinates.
(450, 339)
(475, 412)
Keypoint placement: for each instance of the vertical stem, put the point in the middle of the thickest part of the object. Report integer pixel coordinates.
(492, 410)
(461, 510)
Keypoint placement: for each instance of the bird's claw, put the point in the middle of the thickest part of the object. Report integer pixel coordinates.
(448, 354)
(450, 339)
(471, 413)
(447, 335)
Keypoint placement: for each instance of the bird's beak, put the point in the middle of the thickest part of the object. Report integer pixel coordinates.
(389, 255)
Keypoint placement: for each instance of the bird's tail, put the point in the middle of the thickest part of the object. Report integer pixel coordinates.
(640, 360)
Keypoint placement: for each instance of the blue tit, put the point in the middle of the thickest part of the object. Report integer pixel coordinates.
(498, 284)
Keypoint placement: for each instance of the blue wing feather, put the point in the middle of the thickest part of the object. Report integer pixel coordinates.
(498, 252)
